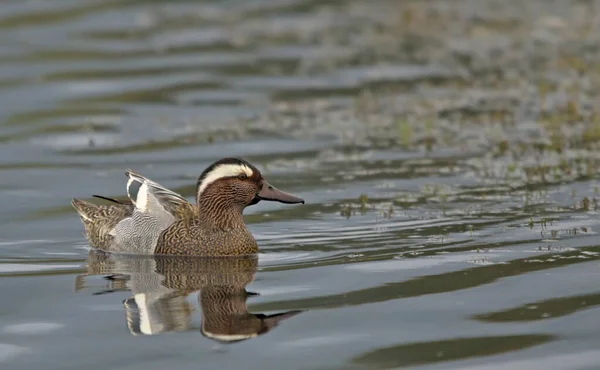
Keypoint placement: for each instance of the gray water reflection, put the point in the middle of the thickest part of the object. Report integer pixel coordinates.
(160, 287)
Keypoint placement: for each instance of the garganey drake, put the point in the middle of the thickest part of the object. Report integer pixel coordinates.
(156, 220)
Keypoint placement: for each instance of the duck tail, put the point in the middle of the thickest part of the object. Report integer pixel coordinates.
(84, 208)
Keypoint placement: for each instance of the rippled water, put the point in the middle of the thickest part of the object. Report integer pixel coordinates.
(448, 153)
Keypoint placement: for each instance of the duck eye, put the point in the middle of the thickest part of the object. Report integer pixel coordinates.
(242, 176)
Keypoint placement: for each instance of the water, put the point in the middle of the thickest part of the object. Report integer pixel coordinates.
(447, 151)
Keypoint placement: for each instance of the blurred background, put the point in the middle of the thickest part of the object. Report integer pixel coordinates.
(447, 151)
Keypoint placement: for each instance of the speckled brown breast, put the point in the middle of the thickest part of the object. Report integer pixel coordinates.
(189, 238)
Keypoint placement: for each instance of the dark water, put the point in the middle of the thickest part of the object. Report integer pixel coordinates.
(447, 150)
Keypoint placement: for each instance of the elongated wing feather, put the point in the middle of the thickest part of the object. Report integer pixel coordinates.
(124, 202)
(142, 190)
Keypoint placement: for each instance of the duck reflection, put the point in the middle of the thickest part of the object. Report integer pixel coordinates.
(160, 287)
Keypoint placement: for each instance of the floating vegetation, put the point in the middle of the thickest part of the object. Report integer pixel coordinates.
(350, 209)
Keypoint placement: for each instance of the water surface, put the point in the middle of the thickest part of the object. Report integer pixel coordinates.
(448, 153)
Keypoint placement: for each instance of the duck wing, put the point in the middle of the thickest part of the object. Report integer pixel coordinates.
(149, 197)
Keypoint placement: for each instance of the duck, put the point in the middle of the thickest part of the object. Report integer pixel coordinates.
(157, 221)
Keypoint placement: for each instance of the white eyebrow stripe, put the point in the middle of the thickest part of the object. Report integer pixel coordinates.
(224, 170)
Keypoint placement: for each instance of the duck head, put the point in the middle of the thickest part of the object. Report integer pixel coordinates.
(235, 183)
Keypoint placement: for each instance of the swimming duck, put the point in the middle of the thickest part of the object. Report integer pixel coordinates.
(156, 220)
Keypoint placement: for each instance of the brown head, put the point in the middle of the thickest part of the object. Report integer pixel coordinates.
(229, 185)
